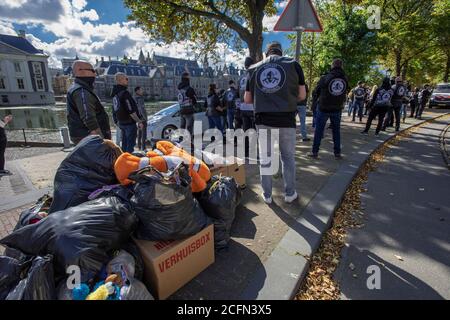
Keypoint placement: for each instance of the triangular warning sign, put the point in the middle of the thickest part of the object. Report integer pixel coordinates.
(299, 13)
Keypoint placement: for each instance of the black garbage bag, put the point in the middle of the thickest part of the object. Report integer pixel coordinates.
(83, 236)
(33, 215)
(165, 205)
(11, 272)
(39, 283)
(219, 201)
(87, 168)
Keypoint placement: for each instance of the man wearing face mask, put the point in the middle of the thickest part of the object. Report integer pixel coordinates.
(85, 113)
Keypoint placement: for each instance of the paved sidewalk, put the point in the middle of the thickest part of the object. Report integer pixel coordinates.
(407, 223)
(258, 228)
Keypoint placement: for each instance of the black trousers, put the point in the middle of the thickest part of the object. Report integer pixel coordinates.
(3, 142)
(374, 112)
(394, 112)
(142, 137)
(413, 108)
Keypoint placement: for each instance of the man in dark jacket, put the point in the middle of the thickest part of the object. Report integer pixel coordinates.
(333, 89)
(85, 113)
(276, 85)
(125, 112)
(229, 100)
(187, 100)
(424, 97)
(359, 96)
(397, 101)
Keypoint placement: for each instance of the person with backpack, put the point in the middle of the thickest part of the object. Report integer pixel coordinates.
(187, 100)
(359, 95)
(397, 102)
(230, 97)
(333, 89)
(379, 105)
(126, 112)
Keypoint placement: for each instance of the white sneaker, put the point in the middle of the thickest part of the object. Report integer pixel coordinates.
(290, 199)
(266, 200)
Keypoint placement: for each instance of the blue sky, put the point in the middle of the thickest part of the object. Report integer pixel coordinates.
(95, 28)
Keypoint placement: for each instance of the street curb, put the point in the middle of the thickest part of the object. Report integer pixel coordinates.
(281, 275)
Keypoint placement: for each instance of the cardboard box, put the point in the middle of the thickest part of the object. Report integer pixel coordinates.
(169, 265)
(230, 167)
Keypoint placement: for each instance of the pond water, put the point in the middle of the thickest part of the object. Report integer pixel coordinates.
(54, 117)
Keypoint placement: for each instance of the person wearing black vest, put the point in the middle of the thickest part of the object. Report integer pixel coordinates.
(247, 110)
(397, 102)
(379, 105)
(85, 113)
(230, 98)
(276, 85)
(359, 95)
(213, 108)
(414, 102)
(126, 113)
(187, 100)
(424, 97)
(333, 89)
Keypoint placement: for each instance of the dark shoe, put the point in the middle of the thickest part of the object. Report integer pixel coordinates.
(313, 155)
(306, 139)
(5, 173)
(338, 157)
(365, 132)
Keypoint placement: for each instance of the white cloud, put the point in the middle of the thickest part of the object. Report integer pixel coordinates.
(282, 4)
(78, 32)
(269, 22)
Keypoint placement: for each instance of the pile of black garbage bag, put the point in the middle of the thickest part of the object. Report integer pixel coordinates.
(91, 219)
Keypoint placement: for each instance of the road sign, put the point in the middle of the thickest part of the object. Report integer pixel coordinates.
(299, 15)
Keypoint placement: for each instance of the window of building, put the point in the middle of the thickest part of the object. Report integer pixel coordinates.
(23, 97)
(17, 67)
(20, 84)
(2, 83)
(5, 99)
(40, 84)
(42, 96)
(37, 68)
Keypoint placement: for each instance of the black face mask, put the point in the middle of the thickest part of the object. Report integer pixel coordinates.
(88, 80)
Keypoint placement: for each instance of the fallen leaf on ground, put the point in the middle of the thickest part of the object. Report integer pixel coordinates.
(399, 257)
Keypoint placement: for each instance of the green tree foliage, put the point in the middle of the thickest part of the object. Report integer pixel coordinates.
(205, 22)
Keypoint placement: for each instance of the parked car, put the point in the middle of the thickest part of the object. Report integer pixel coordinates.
(440, 96)
(163, 123)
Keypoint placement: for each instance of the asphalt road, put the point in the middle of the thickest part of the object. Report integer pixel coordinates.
(407, 225)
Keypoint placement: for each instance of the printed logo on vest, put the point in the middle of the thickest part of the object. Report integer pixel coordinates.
(337, 87)
(271, 78)
(385, 97)
(401, 91)
(230, 96)
(243, 83)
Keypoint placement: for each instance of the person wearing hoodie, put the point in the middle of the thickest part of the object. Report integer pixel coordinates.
(333, 89)
(85, 113)
(125, 112)
(379, 105)
(187, 100)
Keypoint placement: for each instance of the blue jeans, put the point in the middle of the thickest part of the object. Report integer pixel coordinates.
(350, 108)
(215, 122)
(358, 107)
(322, 118)
(287, 142)
(230, 116)
(302, 116)
(129, 135)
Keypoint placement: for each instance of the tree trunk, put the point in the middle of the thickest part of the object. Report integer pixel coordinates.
(398, 62)
(405, 70)
(255, 47)
(255, 42)
(447, 69)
